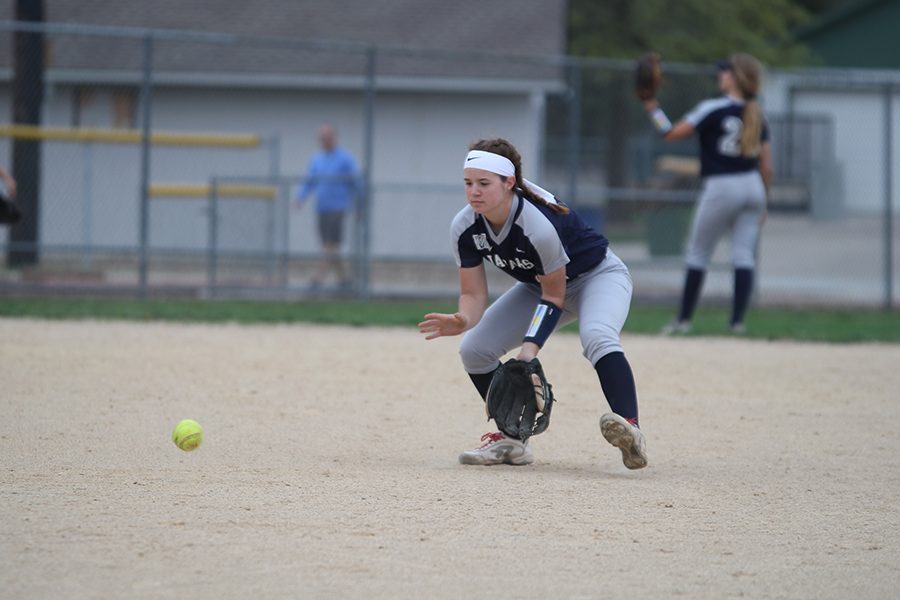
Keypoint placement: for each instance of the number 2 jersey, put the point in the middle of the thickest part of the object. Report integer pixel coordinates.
(718, 124)
(534, 241)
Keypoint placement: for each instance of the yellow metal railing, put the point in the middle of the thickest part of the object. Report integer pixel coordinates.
(187, 190)
(128, 136)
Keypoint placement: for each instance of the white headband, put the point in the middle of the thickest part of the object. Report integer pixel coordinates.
(495, 163)
(488, 161)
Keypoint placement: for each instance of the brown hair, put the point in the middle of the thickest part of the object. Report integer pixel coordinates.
(748, 78)
(504, 148)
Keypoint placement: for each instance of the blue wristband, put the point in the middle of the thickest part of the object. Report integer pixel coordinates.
(544, 321)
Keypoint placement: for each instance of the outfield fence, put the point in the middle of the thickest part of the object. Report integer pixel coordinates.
(166, 162)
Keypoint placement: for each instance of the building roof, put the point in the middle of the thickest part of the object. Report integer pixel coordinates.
(416, 38)
(534, 26)
(859, 34)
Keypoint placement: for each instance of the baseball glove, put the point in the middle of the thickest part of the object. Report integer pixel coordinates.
(647, 76)
(520, 399)
(9, 212)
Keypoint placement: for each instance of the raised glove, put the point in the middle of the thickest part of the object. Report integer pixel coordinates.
(519, 399)
(647, 76)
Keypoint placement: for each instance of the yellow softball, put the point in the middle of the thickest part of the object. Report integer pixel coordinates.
(187, 435)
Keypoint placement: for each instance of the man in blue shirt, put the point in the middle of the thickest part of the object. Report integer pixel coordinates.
(332, 176)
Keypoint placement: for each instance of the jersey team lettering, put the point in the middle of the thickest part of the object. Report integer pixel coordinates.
(511, 263)
(481, 242)
(534, 241)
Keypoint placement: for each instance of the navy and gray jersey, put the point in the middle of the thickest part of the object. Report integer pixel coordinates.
(718, 124)
(533, 241)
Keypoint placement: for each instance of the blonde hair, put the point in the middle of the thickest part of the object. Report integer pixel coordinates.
(506, 149)
(747, 73)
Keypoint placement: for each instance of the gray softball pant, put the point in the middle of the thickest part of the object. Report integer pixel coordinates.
(734, 202)
(599, 299)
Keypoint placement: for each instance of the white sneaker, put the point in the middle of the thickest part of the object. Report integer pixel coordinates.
(676, 328)
(738, 328)
(627, 438)
(497, 450)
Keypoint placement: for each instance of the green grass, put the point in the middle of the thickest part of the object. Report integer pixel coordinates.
(814, 325)
(385, 313)
(765, 323)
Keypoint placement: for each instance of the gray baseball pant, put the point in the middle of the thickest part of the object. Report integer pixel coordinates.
(726, 202)
(599, 299)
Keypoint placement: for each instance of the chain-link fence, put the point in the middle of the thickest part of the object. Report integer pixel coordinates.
(153, 161)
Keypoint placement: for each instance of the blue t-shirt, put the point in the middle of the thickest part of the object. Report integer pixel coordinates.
(333, 178)
(718, 124)
(534, 241)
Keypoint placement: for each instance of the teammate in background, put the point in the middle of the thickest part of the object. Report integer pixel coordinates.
(565, 271)
(736, 167)
(333, 177)
(9, 212)
(9, 183)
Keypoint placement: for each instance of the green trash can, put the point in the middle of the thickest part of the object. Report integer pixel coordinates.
(667, 228)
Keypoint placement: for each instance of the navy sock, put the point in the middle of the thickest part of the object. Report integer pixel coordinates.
(693, 282)
(482, 381)
(743, 285)
(617, 382)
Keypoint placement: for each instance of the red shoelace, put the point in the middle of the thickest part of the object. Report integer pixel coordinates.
(494, 436)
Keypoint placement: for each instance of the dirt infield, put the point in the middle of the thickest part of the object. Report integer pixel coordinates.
(329, 470)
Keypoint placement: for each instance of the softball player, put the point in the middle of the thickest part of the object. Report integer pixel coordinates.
(9, 212)
(8, 182)
(736, 167)
(564, 271)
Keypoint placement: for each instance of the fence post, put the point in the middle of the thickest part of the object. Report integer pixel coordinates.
(285, 196)
(281, 193)
(789, 130)
(212, 257)
(574, 137)
(87, 225)
(271, 215)
(365, 198)
(888, 199)
(27, 93)
(144, 226)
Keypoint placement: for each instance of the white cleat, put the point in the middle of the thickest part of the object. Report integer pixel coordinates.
(498, 450)
(627, 438)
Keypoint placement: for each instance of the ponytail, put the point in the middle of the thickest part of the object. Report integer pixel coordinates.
(504, 148)
(748, 77)
(558, 207)
(752, 131)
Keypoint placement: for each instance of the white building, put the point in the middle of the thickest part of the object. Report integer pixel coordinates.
(862, 110)
(430, 103)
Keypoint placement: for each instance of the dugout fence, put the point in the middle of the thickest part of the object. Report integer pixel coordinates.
(118, 201)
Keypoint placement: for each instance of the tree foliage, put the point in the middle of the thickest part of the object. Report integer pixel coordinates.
(691, 30)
